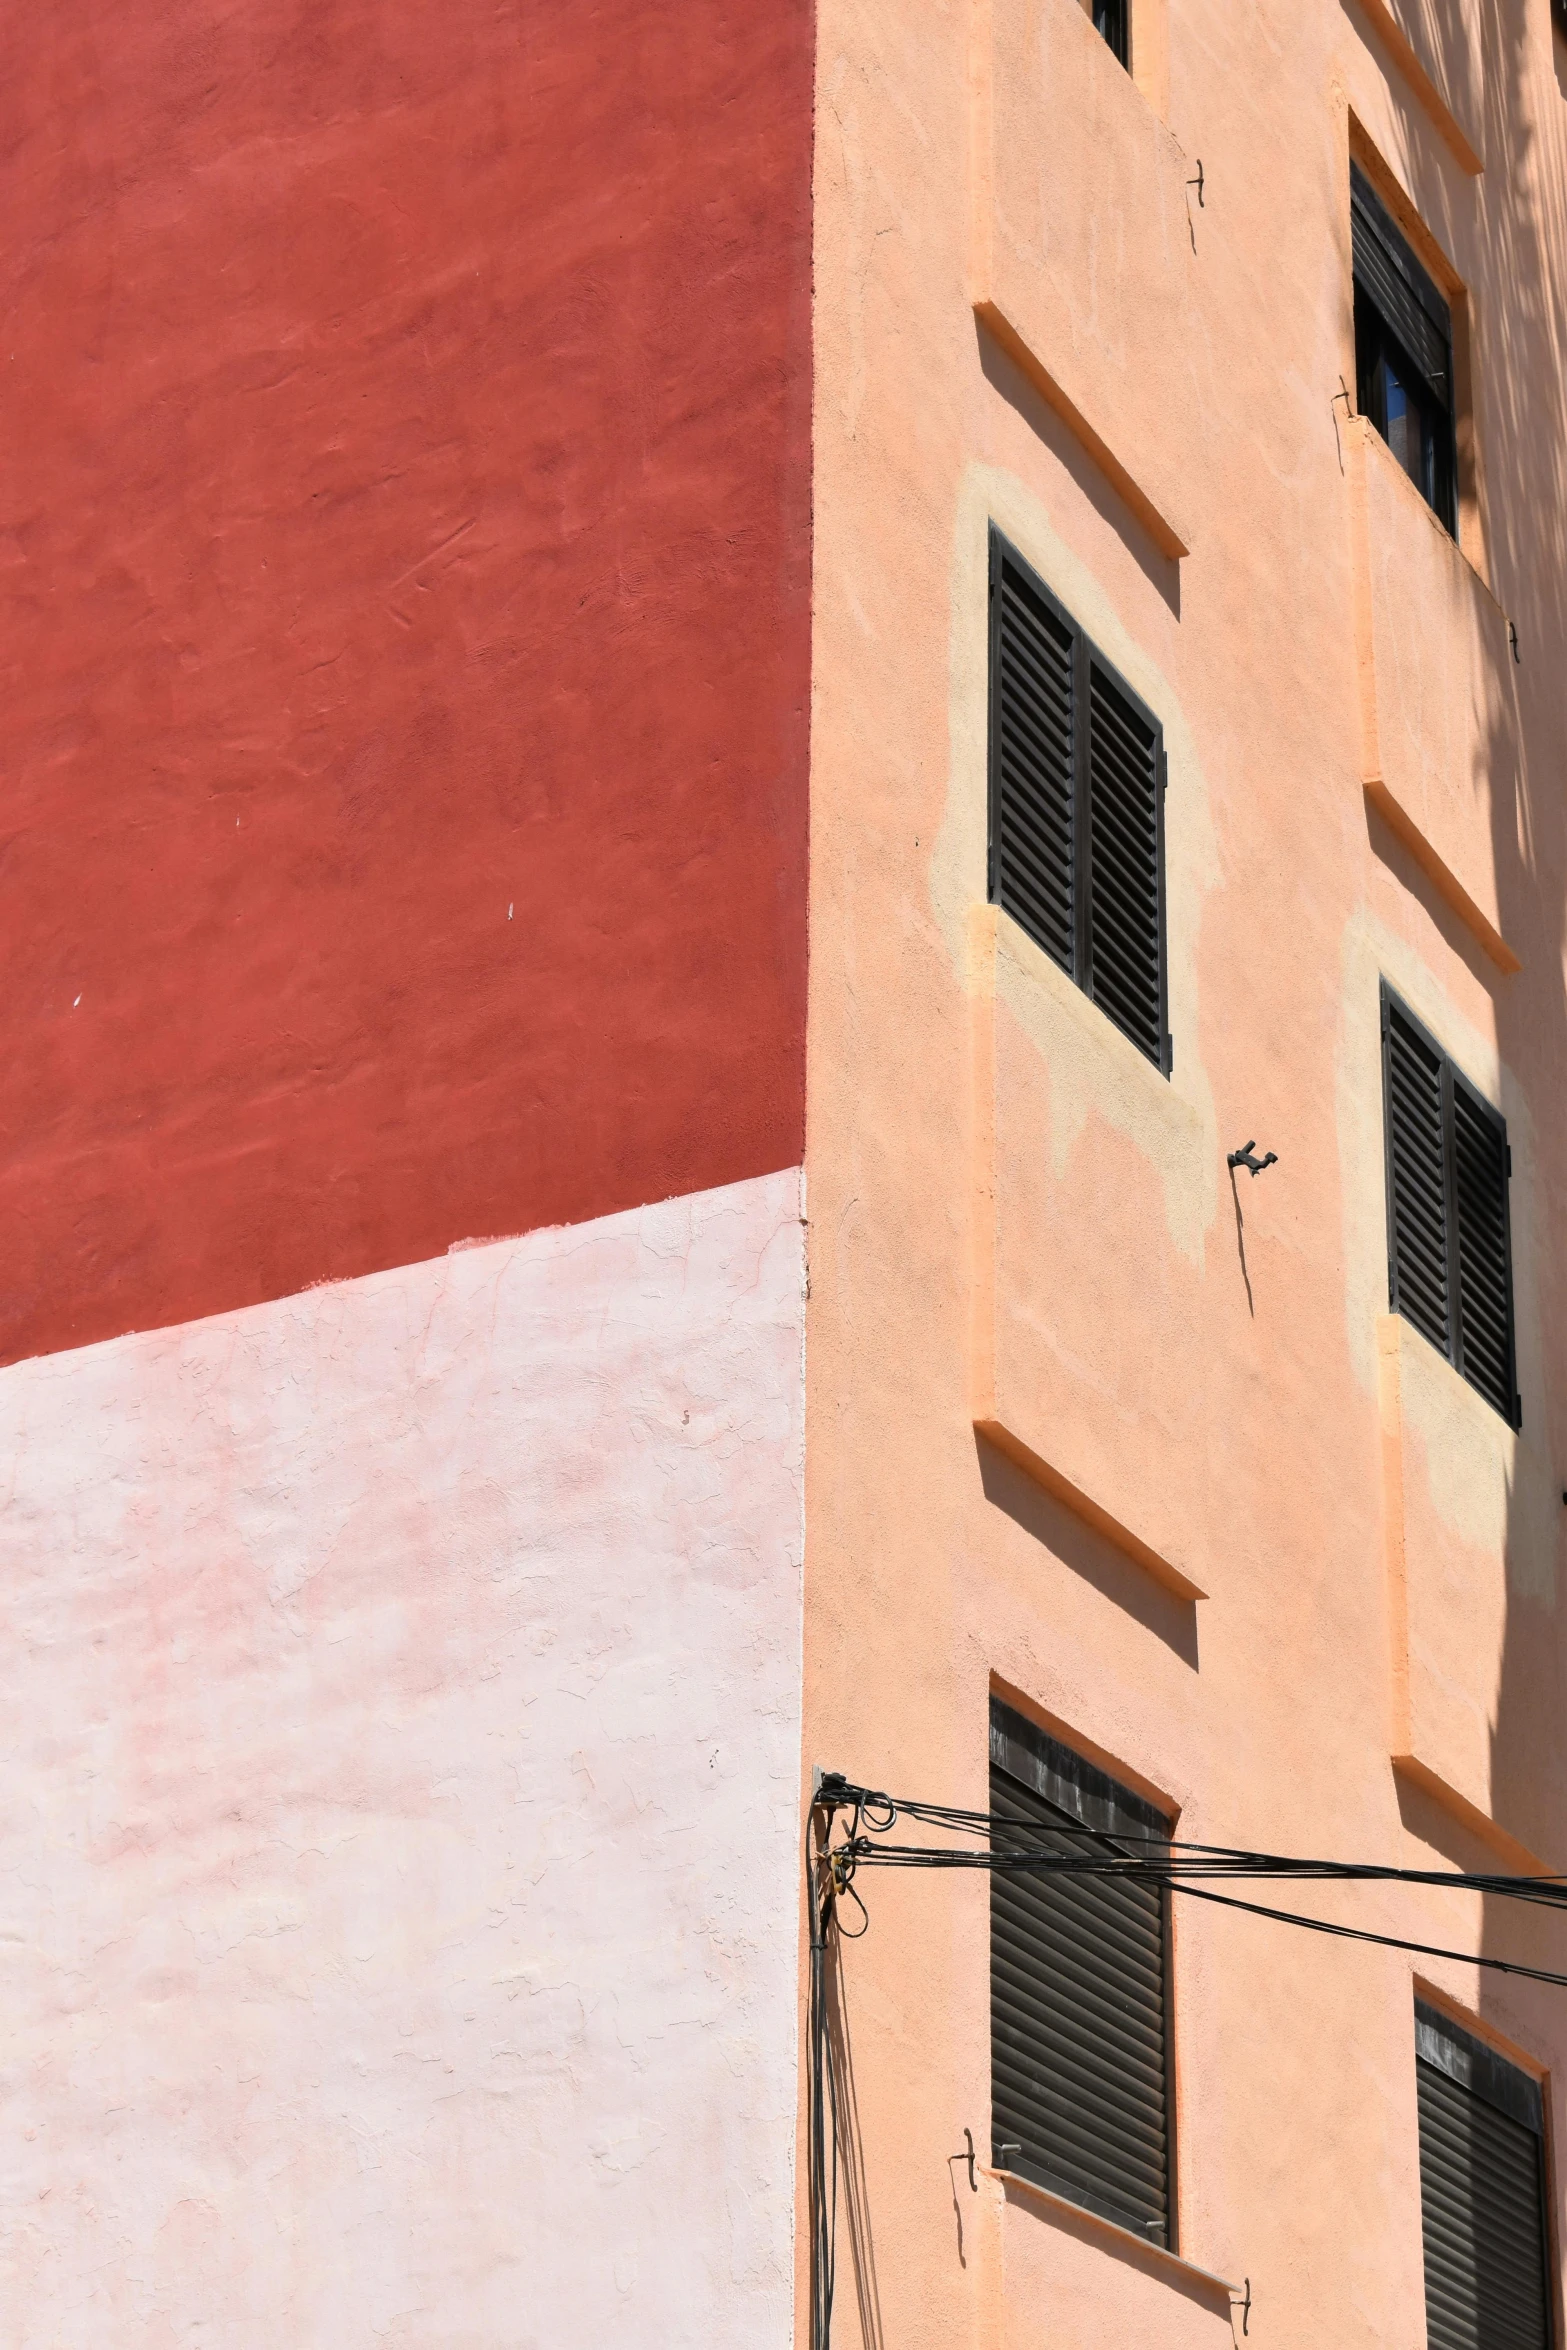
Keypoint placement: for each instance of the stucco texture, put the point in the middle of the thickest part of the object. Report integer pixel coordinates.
(399, 1838)
(1017, 1220)
(404, 632)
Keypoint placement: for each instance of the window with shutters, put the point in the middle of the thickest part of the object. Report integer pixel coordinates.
(1482, 2194)
(1079, 2035)
(1403, 351)
(1449, 1241)
(1077, 775)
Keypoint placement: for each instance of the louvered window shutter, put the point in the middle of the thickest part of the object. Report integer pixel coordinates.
(1125, 914)
(1482, 2194)
(1034, 754)
(1077, 805)
(1078, 1991)
(1417, 1177)
(1485, 1303)
(1449, 1245)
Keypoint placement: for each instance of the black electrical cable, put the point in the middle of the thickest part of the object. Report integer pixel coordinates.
(1164, 1861)
(1168, 1862)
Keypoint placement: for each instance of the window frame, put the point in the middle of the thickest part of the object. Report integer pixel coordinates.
(1086, 657)
(1119, 41)
(1480, 2071)
(1061, 1777)
(1377, 337)
(1452, 1080)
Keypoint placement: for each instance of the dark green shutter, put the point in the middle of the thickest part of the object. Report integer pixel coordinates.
(1125, 913)
(1482, 2194)
(1077, 777)
(1417, 1177)
(1449, 1239)
(1079, 2032)
(1034, 753)
(1485, 1298)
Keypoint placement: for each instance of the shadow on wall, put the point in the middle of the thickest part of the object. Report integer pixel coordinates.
(1062, 1533)
(1006, 377)
(849, 2173)
(1523, 429)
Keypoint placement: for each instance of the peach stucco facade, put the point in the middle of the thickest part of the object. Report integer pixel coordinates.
(1091, 1424)
(570, 1263)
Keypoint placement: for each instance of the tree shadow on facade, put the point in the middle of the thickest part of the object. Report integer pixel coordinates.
(1522, 764)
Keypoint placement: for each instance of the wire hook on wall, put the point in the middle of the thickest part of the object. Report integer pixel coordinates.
(1244, 2307)
(1341, 394)
(1512, 638)
(1202, 204)
(1243, 1158)
(968, 2157)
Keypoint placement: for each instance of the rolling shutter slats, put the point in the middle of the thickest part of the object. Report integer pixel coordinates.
(1078, 2039)
(1066, 1928)
(1056, 1907)
(1449, 1253)
(1077, 829)
(1085, 2099)
(1482, 2215)
(1129, 1915)
(1017, 1957)
(1035, 834)
(1405, 294)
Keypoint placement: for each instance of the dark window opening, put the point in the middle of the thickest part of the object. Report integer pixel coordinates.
(1482, 2193)
(1449, 1236)
(1110, 22)
(1079, 2039)
(1077, 774)
(1403, 351)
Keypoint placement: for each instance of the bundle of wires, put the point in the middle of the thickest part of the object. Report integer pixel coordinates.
(988, 1841)
(1159, 1860)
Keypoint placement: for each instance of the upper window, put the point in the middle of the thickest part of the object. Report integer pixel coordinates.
(1403, 351)
(1449, 1244)
(1110, 21)
(1076, 804)
(1079, 2045)
(1482, 2193)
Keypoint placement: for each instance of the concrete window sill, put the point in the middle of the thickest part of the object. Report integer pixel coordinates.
(1199, 2284)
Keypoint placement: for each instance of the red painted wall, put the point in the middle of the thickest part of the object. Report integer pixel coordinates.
(404, 447)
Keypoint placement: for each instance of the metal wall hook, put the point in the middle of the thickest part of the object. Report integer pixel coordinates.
(1243, 1158)
(1197, 183)
(968, 2157)
(1512, 638)
(1244, 2307)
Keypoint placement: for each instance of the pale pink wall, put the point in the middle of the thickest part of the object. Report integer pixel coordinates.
(400, 1722)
